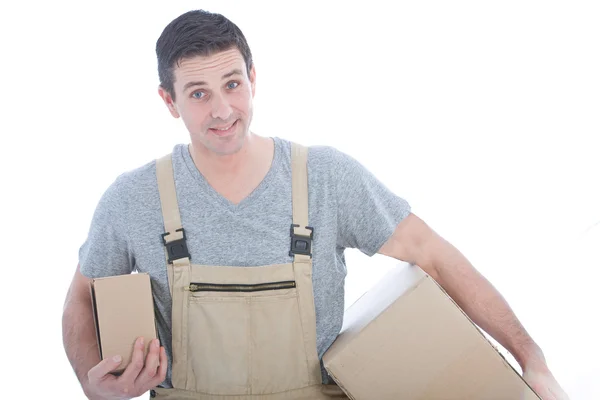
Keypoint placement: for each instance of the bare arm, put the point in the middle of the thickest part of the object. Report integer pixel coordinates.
(79, 339)
(79, 334)
(413, 241)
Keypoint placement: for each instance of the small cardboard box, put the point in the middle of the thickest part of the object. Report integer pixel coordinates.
(407, 339)
(123, 311)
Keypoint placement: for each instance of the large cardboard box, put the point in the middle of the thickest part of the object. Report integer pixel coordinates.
(123, 311)
(407, 339)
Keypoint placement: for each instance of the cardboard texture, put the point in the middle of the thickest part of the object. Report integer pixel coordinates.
(123, 311)
(407, 339)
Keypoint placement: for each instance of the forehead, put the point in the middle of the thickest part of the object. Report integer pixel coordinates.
(207, 67)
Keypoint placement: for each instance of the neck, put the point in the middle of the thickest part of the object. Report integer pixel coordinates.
(221, 166)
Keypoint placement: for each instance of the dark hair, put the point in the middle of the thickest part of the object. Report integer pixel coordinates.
(196, 33)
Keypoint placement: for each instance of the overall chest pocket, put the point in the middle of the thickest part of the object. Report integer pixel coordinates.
(245, 338)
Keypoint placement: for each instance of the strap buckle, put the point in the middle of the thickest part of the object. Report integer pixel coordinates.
(176, 249)
(301, 244)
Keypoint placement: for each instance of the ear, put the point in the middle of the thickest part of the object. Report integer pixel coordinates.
(166, 96)
(252, 78)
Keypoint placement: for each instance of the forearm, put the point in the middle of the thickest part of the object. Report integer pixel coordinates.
(79, 337)
(483, 303)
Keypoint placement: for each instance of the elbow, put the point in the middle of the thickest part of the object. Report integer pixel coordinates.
(428, 255)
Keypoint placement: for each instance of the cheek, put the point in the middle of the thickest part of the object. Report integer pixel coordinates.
(242, 101)
(196, 115)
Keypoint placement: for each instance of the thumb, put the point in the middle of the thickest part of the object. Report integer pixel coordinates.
(104, 367)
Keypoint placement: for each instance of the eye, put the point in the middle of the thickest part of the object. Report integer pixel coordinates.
(198, 95)
(232, 85)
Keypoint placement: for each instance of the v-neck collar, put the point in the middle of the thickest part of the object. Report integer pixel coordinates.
(221, 200)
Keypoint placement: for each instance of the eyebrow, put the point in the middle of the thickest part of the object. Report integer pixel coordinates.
(201, 83)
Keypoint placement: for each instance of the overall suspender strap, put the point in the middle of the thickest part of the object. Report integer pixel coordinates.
(178, 267)
(174, 237)
(301, 249)
(301, 233)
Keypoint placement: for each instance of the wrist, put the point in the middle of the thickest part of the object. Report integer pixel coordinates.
(88, 392)
(531, 357)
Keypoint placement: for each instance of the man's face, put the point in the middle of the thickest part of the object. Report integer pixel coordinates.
(214, 98)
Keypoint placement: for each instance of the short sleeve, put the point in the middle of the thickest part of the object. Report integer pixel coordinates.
(368, 212)
(106, 250)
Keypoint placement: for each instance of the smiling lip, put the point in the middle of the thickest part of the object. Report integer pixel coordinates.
(223, 132)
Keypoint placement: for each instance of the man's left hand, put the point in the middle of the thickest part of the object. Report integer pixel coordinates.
(544, 384)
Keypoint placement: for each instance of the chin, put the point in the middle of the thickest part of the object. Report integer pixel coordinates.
(226, 147)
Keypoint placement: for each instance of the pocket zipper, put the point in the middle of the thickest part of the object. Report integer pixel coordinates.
(217, 287)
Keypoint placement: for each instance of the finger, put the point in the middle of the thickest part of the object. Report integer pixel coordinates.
(152, 361)
(135, 366)
(103, 369)
(162, 368)
(161, 374)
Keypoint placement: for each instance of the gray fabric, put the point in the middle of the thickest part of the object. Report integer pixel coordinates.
(348, 207)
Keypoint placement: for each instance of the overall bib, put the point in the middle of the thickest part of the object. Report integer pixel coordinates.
(243, 332)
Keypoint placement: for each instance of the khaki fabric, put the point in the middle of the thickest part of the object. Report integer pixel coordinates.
(316, 392)
(243, 333)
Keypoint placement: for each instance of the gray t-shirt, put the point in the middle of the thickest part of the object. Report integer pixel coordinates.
(348, 208)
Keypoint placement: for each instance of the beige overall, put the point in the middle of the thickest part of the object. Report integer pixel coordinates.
(243, 333)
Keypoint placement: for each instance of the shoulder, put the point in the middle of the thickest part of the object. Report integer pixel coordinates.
(323, 154)
(321, 158)
(138, 182)
(133, 181)
(335, 161)
(328, 163)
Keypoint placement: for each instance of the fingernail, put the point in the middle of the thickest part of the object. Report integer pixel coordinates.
(156, 344)
(141, 341)
(117, 358)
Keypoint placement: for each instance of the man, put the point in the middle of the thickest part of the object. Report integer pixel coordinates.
(244, 237)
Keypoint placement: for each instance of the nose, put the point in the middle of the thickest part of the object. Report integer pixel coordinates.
(220, 107)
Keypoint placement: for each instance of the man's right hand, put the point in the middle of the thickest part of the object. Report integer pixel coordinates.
(137, 379)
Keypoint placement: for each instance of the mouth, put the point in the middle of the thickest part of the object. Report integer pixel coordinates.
(224, 130)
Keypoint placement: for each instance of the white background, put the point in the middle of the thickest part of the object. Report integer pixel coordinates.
(483, 115)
